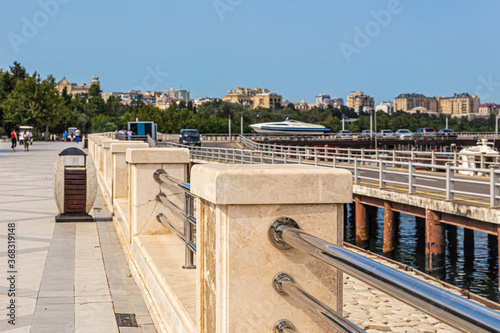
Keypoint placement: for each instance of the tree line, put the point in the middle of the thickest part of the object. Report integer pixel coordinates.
(30, 100)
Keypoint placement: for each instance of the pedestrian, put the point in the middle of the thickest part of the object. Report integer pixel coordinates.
(43, 136)
(65, 135)
(20, 138)
(129, 133)
(26, 136)
(77, 134)
(13, 137)
(30, 136)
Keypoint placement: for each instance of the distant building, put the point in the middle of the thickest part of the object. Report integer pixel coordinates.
(77, 88)
(323, 100)
(414, 103)
(200, 100)
(132, 95)
(302, 106)
(254, 98)
(178, 94)
(489, 108)
(459, 104)
(105, 96)
(358, 100)
(387, 107)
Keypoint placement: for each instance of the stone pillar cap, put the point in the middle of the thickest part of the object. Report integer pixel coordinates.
(122, 146)
(157, 155)
(266, 184)
(107, 143)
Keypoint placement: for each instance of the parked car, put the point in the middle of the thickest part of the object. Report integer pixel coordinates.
(344, 134)
(365, 134)
(385, 134)
(190, 137)
(446, 133)
(425, 132)
(404, 134)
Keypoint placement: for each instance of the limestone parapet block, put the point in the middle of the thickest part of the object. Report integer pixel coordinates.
(157, 155)
(121, 147)
(291, 184)
(106, 143)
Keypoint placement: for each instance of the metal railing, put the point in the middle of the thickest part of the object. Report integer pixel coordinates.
(447, 180)
(134, 137)
(454, 310)
(186, 214)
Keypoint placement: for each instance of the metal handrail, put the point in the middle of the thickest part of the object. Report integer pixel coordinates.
(188, 237)
(351, 163)
(284, 284)
(441, 304)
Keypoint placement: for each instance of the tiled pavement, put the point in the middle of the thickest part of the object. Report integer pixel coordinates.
(69, 277)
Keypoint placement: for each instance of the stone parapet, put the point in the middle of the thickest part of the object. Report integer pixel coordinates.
(236, 261)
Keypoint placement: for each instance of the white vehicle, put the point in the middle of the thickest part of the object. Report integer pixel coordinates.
(289, 127)
(404, 134)
(479, 157)
(21, 131)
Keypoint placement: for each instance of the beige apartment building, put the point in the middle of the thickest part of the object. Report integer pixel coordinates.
(254, 98)
(489, 108)
(459, 104)
(76, 88)
(358, 100)
(413, 103)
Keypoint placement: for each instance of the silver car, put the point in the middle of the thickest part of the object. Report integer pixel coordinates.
(385, 134)
(404, 134)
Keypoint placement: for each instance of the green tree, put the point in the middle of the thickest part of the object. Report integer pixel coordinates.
(35, 102)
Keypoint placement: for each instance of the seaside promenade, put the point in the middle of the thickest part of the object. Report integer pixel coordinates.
(74, 277)
(64, 277)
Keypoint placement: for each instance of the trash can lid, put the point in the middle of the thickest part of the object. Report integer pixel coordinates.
(72, 151)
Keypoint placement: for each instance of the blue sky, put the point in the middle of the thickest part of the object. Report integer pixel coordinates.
(295, 48)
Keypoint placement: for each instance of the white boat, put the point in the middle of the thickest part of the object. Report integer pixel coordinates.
(480, 156)
(289, 127)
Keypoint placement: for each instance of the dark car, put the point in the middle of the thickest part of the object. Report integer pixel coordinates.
(190, 137)
(447, 133)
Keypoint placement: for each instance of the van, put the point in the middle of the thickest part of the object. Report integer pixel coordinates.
(190, 137)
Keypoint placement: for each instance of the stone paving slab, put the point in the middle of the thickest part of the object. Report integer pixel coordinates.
(70, 277)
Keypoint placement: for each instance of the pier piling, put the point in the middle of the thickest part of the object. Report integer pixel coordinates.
(435, 243)
(389, 230)
(361, 224)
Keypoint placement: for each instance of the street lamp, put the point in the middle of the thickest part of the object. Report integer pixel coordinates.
(241, 122)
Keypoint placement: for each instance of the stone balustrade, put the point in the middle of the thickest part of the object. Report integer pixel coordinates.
(231, 289)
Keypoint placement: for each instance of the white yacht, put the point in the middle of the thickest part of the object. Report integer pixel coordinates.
(480, 156)
(289, 127)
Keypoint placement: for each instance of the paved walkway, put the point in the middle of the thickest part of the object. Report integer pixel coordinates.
(67, 277)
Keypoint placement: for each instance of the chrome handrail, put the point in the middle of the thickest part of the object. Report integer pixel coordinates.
(284, 284)
(441, 304)
(188, 237)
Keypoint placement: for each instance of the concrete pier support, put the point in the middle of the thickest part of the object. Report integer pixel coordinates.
(435, 242)
(389, 230)
(468, 250)
(362, 230)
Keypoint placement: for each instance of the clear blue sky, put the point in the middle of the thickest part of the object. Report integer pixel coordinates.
(295, 48)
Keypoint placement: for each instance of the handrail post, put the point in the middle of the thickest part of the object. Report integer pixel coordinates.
(235, 207)
(494, 187)
(382, 167)
(356, 171)
(450, 184)
(411, 177)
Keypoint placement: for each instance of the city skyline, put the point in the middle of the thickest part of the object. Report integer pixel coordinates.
(294, 49)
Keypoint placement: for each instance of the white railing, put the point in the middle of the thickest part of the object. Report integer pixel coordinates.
(391, 173)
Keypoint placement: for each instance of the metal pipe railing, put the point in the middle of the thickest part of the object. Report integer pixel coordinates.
(162, 177)
(284, 284)
(443, 305)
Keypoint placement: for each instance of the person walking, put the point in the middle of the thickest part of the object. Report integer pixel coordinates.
(77, 135)
(65, 135)
(13, 138)
(26, 136)
(30, 136)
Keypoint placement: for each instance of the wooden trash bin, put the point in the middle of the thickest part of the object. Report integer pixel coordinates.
(74, 186)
